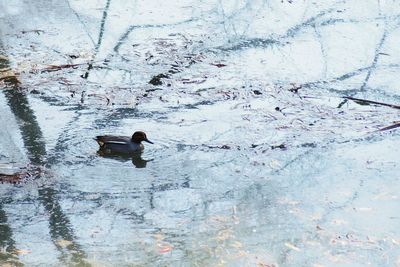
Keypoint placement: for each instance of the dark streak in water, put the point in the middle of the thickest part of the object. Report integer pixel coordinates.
(7, 243)
(99, 40)
(59, 225)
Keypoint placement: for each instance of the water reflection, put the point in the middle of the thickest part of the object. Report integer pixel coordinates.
(7, 243)
(59, 224)
(61, 230)
(136, 158)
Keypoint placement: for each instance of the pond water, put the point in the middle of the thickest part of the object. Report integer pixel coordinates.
(258, 159)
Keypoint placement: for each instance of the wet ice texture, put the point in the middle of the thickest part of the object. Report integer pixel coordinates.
(215, 191)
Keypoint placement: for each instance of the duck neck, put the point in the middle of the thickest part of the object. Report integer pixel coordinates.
(136, 141)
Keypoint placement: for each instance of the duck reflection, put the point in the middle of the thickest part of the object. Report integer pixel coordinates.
(136, 158)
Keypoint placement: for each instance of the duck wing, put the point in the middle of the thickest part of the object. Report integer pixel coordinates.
(112, 139)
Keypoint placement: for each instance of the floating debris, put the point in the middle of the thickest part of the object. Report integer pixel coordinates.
(156, 80)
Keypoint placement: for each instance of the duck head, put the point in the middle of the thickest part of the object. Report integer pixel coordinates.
(140, 136)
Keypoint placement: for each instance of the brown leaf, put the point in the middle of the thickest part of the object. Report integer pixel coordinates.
(63, 243)
(291, 246)
(164, 247)
(22, 251)
(219, 65)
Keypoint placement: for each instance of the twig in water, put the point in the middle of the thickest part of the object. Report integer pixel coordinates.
(390, 127)
(365, 101)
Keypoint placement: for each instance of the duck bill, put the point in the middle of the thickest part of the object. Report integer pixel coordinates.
(148, 141)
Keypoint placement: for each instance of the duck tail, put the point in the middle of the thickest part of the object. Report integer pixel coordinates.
(99, 140)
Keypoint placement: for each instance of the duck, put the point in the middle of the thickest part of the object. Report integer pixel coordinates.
(123, 144)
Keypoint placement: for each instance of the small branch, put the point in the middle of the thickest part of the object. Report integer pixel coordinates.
(366, 102)
(390, 127)
(51, 68)
(60, 67)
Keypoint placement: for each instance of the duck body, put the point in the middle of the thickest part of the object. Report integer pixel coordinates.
(122, 144)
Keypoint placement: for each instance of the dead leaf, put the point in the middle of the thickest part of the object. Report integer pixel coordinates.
(381, 196)
(224, 235)
(22, 251)
(218, 218)
(316, 217)
(63, 243)
(274, 164)
(164, 247)
(339, 222)
(219, 65)
(6, 74)
(221, 262)
(159, 236)
(291, 246)
(262, 264)
(236, 244)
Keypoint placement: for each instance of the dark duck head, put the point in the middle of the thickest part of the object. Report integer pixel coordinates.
(140, 136)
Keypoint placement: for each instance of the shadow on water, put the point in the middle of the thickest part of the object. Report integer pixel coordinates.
(100, 38)
(61, 229)
(136, 158)
(7, 243)
(59, 225)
